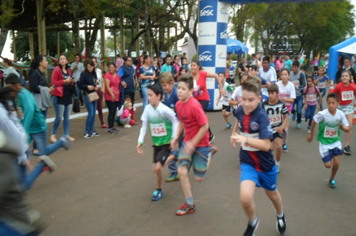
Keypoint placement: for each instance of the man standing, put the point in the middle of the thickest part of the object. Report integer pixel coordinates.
(126, 72)
(76, 69)
(346, 66)
(288, 63)
(268, 73)
(167, 66)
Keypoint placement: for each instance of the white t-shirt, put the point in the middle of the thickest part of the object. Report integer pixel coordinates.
(10, 70)
(286, 92)
(99, 76)
(228, 89)
(270, 76)
(237, 94)
(78, 71)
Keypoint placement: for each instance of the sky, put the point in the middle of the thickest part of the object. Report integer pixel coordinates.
(7, 53)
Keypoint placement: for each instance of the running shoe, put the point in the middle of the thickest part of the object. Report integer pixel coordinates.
(228, 126)
(281, 225)
(157, 195)
(48, 162)
(173, 177)
(347, 150)
(185, 209)
(250, 230)
(277, 168)
(95, 134)
(127, 126)
(308, 131)
(66, 143)
(285, 148)
(211, 138)
(332, 183)
(293, 117)
(306, 119)
(299, 125)
(88, 136)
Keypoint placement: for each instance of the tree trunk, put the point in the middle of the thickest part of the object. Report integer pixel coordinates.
(91, 36)
(76, 36)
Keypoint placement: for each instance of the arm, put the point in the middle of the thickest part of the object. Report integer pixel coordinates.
(108, 89)
(217, 102)
(34, 83)
(234, 131)
(232, 102)
(214, 75)
(142, 134)
(179, 130)
(320, 99)
(261, 144)
(284, 124)
(310, 137)
(191, 145)
(173, 119)
(28, 111)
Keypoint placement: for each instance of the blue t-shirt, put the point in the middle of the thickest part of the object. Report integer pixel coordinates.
(171, 100)
(288, 64)
(231, 72)
(166, 68)
(146, 72)
(255, 125)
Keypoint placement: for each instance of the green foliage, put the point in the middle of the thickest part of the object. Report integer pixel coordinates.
(233, 57)
(194, 57)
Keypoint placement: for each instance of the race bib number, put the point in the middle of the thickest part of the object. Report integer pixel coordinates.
(330, 132)
(247, 147)
(158, 130)
(321, 85)
(311, 97)
(296, 82)
(274, 119)
(347, 95)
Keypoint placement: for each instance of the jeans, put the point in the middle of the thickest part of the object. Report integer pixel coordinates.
(91, 107)
(144, 97)
(29, 180)
(309, 114)
(45, 116)
(323, 92)
(40, 139)
(80, 95)
(112, 106)
(62, 111)
(6, 230)
(299, 103)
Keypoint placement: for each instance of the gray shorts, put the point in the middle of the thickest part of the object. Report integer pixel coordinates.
(347, 109)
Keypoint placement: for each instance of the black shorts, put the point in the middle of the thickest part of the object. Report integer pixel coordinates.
(278, 135)
(226, 108)
(161, 153)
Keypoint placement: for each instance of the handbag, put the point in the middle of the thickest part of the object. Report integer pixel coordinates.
(93, 96)
(76, 106)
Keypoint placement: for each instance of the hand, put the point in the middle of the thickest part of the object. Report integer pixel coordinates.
(223, 93)
(113, 97)
(51, 89)
(29, 166)
(319, 107)
(310, 137)
(90, 87)
(76, 66)
(139, 149)
(189, 147)
(67, 81)
(232, 141)
(96, 88)
(174, 144)
(239, 139)
(217, 103)
(279, 129)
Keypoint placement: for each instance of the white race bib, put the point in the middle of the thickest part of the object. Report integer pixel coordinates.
(158, 130)
(321, 85)
(311, 97)
(296, 82)
(347, 95)
(274, 119)
(330, 132)
(247, 147)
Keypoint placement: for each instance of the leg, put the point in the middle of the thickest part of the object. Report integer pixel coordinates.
(226, 117)
(272, 145)
(144, 96)
(92, 119)
(59, 110)
(80, 94)
(184, 181)
(67, 111)
(311, 115)
(109, 105)
(90, 114)
(158, 171)
(247, 191)
(299, 108)
(276, 199)
(41, 141)
(278, 142)
(35, 173)
(349, 118)
(336, 163)
(100, 107)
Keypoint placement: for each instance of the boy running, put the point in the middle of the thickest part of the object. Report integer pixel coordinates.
(330, 121)
(278, 118)
(196, 146)
(226, 107)
(163, 126)
(257, 164)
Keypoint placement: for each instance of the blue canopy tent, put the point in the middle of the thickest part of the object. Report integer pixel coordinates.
(346, 47)
(236, 46)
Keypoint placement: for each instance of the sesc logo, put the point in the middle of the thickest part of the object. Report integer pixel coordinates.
(222, 56)
(223, 10)
(207, 11)
(206, 56)
(223, 35)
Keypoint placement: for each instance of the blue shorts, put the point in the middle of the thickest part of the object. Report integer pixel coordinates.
(199, 160)
(331, 153)
(266, 180)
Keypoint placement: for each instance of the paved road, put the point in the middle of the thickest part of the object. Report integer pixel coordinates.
(103, 188)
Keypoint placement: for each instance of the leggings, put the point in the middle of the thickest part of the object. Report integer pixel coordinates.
(112, 106)
(205, 105)
(100, 106)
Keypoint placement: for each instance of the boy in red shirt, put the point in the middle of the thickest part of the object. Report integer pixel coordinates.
(196, 146)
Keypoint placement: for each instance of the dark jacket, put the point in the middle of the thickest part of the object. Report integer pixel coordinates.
(339, 72)
(87, 79)
(37, 78)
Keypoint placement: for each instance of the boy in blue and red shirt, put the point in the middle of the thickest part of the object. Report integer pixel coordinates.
(257, 163)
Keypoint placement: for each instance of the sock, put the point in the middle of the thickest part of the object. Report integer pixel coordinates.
(159, 189)
(189, 201)
(254, 222)
(281, 215)
(277, 163)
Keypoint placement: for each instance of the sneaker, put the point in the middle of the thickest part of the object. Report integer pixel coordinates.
(82, 106)
(308, 131)
(281, 225)
(88, 136)
(293, 117)
(347, 150)
(332, 183)
(127, 126)
(112, 131)
(185, 209)
(277, 168)
(250, 230)
(299, 125)
(211, 138)
(113, 128)
(104, 126)
(228, 126)
(157, 195)
(95, 134)
(173, 177)
(66, 143)
(285, 148)
(48, 163)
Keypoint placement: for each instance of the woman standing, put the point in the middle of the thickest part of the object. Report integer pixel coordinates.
(64, 87)
(100, 92)
(112, 95)
(147, 76)
(200, 90)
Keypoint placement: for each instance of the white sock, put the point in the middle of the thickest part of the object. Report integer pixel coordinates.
(277, 163)
(254, 222)
(281, 215)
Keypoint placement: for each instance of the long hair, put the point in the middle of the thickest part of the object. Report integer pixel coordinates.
(87, 62)
(36, 63)
(67, 67)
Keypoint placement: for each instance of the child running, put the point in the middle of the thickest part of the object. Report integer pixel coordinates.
(196, 146)
(278, 118)
(257, 164)
(311, 95)
(237, 94)
(163, 126)
(226, 108)
(287, 95)
(347, 92)
(321, 80)
(330, 122)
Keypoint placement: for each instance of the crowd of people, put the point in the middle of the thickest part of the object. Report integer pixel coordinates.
(271, 92)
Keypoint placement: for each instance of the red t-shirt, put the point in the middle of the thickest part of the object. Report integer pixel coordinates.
(114, 85)
(201, 94)
(346, 94)
(192, 115)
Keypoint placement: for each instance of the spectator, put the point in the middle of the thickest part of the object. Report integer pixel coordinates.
(112, 95)
(346, 66)
(147, 76)
(76, 69)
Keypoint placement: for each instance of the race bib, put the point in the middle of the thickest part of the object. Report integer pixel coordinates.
(274, 119)
(311, 97)
(247, 147)
(321, 84)
(347, 95)
(330, 132)
(296, 82)
(158, 130)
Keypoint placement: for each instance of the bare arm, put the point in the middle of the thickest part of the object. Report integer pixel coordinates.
(310, 137)
(214, 75)
(261, 144)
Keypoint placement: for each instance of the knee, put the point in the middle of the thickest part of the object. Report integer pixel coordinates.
(328, 164)
(246, 200)
(158, 169)
(182, 171)
(279, 148)
(336, 163)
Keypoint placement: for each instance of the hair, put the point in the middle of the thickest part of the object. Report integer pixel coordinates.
(333, 95)
(266, 58)
(254, 67)
(62, 55)
(145, 58)
(253, 55)
(157, 89)
(36, 63)
(7, 61)
(166, 78)
(12, 79)
(222, 73)
(127, 103)
(126, 58)
(89, 61)
(285, 69)
(168, 55)
(348, 72)
(304, 67)
(252, 84)
(77, 54)
(181, 69)
(176, 56)
(94, 57)
(310, 77)
(198, 64)
(346, 58)
(5, 96)
(187, 79)
(296, 63)
(273, 88)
